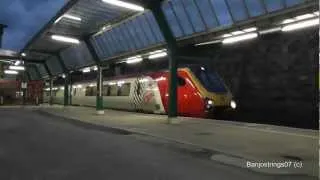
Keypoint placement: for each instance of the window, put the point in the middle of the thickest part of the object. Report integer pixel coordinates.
(106, 90)
(91, 91)
(209, 79)
(124, 89)
(181, 81)
(113, 90)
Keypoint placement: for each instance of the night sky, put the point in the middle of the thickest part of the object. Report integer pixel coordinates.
(24, 19)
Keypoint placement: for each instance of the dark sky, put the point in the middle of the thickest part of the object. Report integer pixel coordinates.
(24, 19)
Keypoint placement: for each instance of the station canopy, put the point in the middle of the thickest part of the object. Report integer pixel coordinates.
(118, 30)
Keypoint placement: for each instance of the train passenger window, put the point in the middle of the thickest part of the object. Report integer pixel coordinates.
(124, 89)
(106, 90)
(113, 90)
(181, 81)
(91, 91)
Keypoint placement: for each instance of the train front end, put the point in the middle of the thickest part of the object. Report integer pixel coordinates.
(218, 99)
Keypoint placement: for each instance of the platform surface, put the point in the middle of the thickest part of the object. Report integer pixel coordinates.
(234, 143)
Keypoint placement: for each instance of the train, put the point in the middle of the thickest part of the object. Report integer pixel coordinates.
(201, 93)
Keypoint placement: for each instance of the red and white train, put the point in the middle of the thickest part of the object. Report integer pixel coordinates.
(201, 93)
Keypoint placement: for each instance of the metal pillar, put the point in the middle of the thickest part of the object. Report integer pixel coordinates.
(51, 93)
(99, 99)
(2, 26)
(155, 7)
(99, 102)
(66, 90)
(66, 80)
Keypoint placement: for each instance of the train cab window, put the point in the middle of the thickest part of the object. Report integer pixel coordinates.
(209, 79)
(124, 89)
(113, 90)
(181, 81)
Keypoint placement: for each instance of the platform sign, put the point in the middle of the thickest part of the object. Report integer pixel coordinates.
(24, 85)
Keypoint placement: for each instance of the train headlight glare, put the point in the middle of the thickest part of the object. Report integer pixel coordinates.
(210, 102)
(233, 104)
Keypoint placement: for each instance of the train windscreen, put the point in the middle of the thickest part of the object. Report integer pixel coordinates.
(209, 79)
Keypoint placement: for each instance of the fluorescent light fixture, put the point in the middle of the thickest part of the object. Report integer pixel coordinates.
(304, 16)
(250, 29)
(133, 60)
(63, 76)
(72, 17)
(120, 83)
(17, 63)
(86, 70)
(237, 32)
(158, 55)
(226, 35)
(19, 68)
(286, 21)
(209, 42)
(10, 72)
(57, 20)
(107, 27)
(271, 30)
(124, 5)
(23, 54)
(91, 85)
(300, 25)
(62, 88)
(95, 68)
(65, 39)
(112, 83)
(240, 38)
(79, 86)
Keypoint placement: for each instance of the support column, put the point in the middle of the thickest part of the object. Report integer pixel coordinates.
(66, 80)
(51, 93)
(99, 99)
(99, 102)
(155, 7)
(66, 90)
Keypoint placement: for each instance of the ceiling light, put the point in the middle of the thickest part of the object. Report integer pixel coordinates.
(250, 29)
(57, 20)
(95, 68)
(272, 30)
(63, 76)
(209, 42)
(286, 21)
(19, 68)
(10, 72)
(72, 17)
(65, 39)
(226, 35)
(17, 63)
(135, 59)
(23, 54)
(86, 70)
(240, 38)
(300, 25)
(237, 32)
(158, 55)
(304, 16)
(124, 5)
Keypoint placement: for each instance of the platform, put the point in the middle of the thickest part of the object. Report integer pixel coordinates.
(233, 143)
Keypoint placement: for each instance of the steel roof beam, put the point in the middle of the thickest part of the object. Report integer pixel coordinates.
(62, 11)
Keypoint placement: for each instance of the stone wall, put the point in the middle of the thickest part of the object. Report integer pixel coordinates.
(274, 78)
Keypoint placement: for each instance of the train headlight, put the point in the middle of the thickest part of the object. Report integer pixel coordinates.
(209, 103)
(233, 104)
